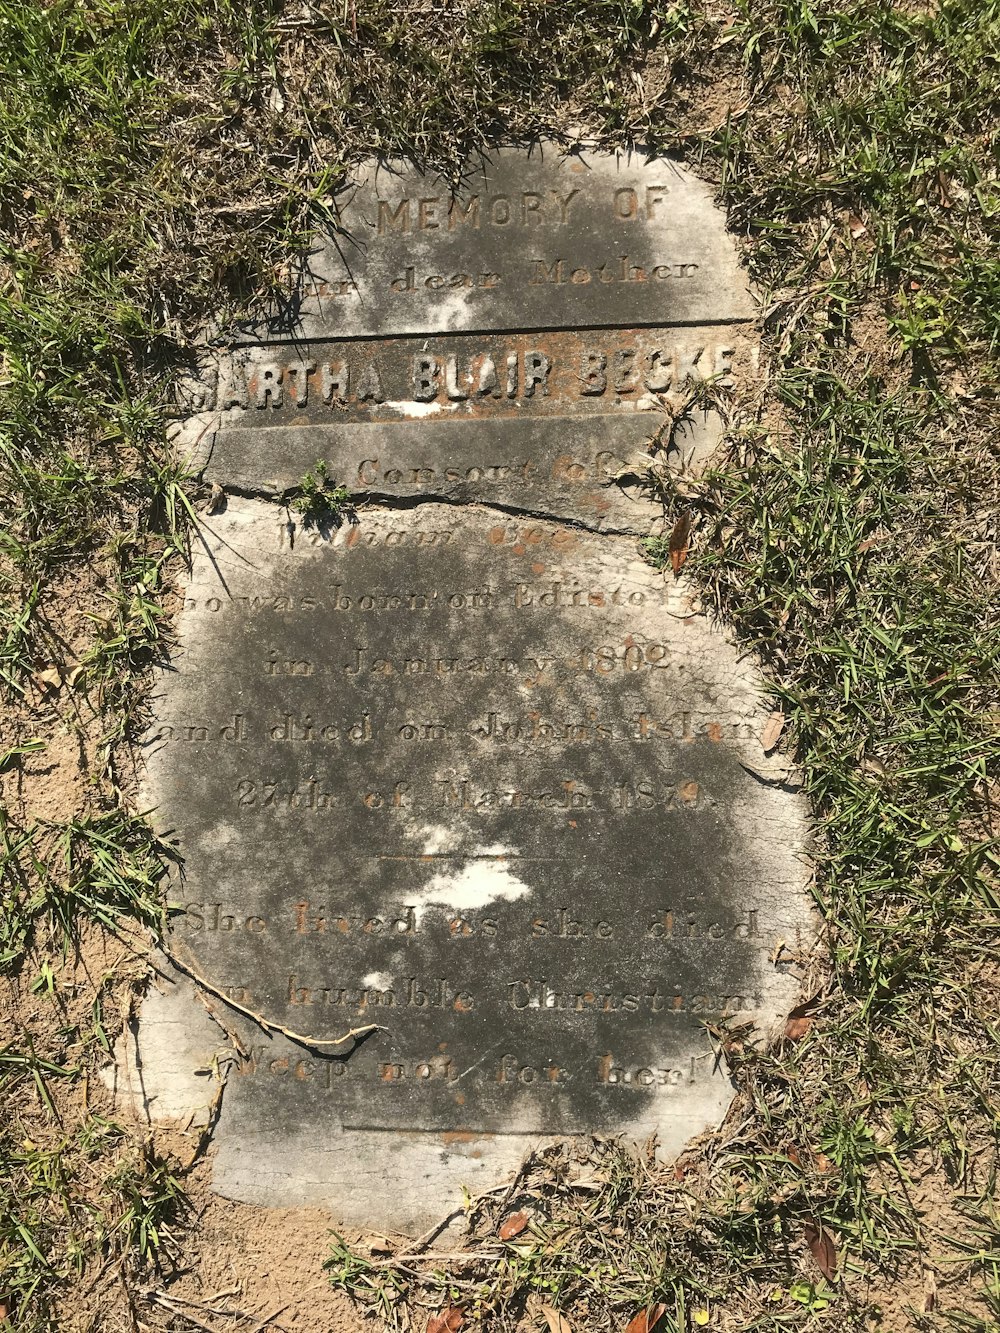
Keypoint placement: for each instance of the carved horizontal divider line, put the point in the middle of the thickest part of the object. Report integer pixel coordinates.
(292, 337)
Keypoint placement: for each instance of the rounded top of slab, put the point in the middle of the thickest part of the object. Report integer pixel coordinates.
(530, 238)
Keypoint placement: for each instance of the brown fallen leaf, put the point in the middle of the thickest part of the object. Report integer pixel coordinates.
(557, 1323)
(447, 1320)
(857, 227)
(930, 1291)
(680, 541)
(792, 1153)
(514, 1225)
(646, 1320)
(796, 1028)
(823, 1162)
(48, 680)
(821, 1247)
(217, 500)
(773, 728)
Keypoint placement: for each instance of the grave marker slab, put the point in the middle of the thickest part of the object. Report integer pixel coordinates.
(466, 767)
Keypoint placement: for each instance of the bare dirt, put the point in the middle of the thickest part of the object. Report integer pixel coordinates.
(263, 1266)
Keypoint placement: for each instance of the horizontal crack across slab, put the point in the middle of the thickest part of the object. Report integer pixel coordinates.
(382, 500)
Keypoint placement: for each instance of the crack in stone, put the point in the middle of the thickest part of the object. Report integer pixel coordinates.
(779, 784)
(385, 501)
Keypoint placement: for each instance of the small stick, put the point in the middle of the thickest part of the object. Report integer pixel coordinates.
(457, 1256)
(231, 1036)
(259, 1019)
(172, 1306)
(268, 1319)
(423, 1241)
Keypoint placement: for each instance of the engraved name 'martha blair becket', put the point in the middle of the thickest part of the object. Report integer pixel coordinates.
(463, 770)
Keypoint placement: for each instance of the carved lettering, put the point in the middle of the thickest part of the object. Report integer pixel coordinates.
(405, 993)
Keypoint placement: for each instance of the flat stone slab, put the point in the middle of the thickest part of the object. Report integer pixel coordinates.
(462, 773)
(493, 785)
(560, 422)
(538, 239)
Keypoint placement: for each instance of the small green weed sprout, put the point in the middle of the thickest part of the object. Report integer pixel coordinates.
(657, 551)
(320, 503)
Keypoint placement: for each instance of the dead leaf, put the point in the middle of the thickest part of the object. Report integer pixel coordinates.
(514, 1225)
(823, 1162)
(646, 1320)
(447, 1320)
(48, 680)
(557, 1323)
(773, 728)
(796, 1028)
(857, 227)
(216, 500)
(821, 1247)
(792, 1153)
(930, 1291)
(680, 541)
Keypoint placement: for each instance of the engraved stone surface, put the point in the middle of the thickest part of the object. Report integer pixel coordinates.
(556, 421)
(465, 767)
(525, 240)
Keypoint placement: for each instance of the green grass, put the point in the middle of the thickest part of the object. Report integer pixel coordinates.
(105, 868)
(82, 1204)
(319, 501)
(158, 165)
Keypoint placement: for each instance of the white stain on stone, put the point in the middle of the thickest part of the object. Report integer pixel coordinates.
(436, 838)
(466, 881)
(473, 883)
(378, 980)
(415, 409)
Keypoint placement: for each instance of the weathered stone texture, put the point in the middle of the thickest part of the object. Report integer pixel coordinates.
(489, 783)
(538, 240)
(466, 767)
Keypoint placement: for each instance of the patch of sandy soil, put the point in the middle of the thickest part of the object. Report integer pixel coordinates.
(263, 1267)
(932, 1281)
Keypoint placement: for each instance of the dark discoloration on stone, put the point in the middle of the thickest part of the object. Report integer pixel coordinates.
(468, 768)
(476, 779)
(526, 241)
